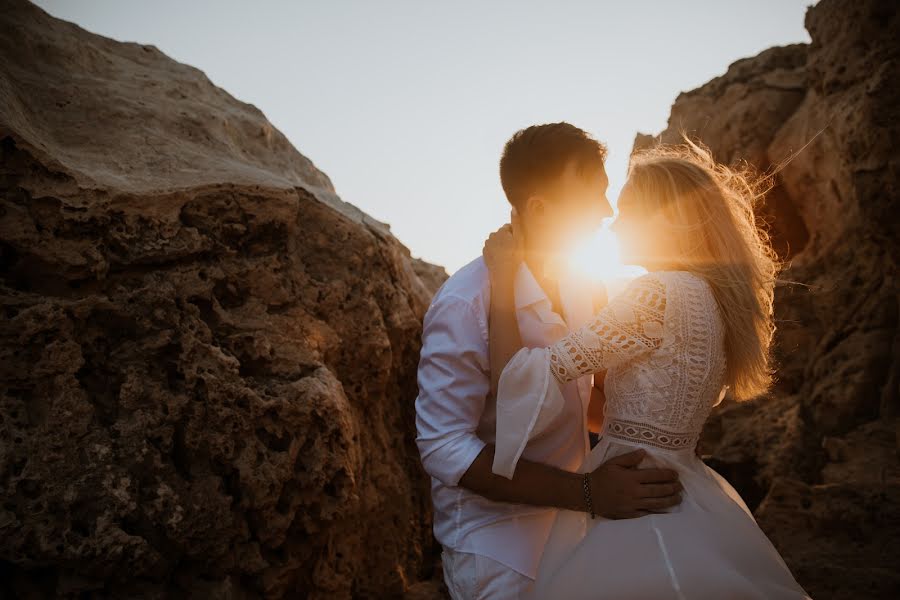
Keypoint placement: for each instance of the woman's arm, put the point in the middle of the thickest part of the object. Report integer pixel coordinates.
(630, 325)
(503, 253)
(503, 328)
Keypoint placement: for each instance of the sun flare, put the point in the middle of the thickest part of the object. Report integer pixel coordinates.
(598, 258)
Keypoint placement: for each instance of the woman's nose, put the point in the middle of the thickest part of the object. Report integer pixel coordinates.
(607, 208)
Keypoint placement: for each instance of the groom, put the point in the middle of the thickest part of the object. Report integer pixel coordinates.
(493, 529)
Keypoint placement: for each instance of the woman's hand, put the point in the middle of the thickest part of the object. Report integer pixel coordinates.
(504, 249)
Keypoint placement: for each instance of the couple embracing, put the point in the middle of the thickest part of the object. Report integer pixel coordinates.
(559, 426)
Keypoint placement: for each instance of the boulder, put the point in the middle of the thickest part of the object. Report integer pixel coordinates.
(207, 359)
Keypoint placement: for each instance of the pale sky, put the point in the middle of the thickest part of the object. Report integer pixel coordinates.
(406, 105)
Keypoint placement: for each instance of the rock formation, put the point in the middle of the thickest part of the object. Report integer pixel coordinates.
(207, 359)
(819, 456)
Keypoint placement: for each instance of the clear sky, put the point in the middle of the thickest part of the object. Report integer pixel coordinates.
(406, 105)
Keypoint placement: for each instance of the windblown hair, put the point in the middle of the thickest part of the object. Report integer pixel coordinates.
(539, 153)
(711, 210)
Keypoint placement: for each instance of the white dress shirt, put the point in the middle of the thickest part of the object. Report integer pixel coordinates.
(456, 415)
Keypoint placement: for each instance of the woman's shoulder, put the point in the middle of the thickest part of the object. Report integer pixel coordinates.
(667, 287)
(656, 281)
(646, 292)
(667, 279)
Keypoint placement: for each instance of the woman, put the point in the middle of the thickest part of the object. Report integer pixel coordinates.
(698, 323)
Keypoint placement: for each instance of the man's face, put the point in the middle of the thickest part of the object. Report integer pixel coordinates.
(573, 206)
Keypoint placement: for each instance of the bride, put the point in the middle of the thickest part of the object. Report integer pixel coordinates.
(698, 323)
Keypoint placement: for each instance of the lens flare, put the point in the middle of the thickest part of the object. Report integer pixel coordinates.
(598, 258)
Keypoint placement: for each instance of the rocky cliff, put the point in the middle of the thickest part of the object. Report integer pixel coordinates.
(207, 359)
(818, 458)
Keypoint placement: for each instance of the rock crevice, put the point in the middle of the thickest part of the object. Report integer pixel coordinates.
(818, 458)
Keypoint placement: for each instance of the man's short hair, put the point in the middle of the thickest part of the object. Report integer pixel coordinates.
(539, 153)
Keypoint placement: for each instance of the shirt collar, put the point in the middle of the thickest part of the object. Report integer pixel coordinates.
(575, 297)
(527, 290)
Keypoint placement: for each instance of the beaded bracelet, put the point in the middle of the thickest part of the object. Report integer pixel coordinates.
(586, 484)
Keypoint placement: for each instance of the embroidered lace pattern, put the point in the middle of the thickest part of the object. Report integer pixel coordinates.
(648, 434)
(662, 344)
(629, 326)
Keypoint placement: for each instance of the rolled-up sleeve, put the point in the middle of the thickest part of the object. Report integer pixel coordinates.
(454, 381)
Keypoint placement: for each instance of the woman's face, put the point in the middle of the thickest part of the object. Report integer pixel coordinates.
(644, 238)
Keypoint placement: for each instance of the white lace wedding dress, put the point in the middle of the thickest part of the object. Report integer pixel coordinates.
(662, 343)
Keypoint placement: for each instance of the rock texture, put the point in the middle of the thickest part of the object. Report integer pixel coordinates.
(819, 456)
(207, 360)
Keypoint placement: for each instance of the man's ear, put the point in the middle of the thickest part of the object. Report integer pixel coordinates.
(535, 206)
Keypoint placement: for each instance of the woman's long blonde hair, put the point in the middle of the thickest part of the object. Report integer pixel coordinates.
(711, 210)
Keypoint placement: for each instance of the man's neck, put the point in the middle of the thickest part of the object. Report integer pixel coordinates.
(545, 266)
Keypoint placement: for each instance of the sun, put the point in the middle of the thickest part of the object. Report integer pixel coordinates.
(598, 258)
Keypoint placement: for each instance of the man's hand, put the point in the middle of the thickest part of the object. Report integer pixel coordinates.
(619, 490)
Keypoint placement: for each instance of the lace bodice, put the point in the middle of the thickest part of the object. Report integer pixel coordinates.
(661, 341)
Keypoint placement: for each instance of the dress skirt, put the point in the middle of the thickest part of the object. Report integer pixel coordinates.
(707, 547)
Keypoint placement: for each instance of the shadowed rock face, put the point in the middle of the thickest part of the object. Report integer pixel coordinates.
(207, 360)
(819, 456)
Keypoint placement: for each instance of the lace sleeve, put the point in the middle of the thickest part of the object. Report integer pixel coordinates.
(630, 325)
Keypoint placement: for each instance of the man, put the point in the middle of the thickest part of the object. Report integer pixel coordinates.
(493, 529)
